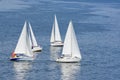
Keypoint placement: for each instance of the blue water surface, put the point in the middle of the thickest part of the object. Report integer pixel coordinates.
(97, 27)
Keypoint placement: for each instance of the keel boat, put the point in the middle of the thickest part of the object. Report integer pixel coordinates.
(71, 52)
(23, 49)
(55, 35)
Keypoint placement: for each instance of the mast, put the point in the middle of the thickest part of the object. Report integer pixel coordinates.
(75, 47)
(29, 50)
(33, 39)
(52, 39)
(71, 40)
(57, 32)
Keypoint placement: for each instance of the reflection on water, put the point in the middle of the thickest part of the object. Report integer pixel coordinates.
(69, 71)
(54, 52)
(21, 69)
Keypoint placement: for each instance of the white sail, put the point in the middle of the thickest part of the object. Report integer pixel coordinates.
(57, 32)
(33, 40)
(67, 42)
(30, 40)
(70, 44)
(75, 48)
(23, 45)
(52, 35)
(29, 50)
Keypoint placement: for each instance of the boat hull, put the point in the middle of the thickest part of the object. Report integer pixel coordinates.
(57, 44)
(14, 59)
(68, 60)
(22, 58)
(37, 49)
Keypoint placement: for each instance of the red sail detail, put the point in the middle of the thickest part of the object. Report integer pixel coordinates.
(13, 55)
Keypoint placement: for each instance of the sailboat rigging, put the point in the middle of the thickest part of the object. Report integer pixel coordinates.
(71, 52)
(55, 34)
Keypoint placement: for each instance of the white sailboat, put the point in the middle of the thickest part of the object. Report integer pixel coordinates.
(34, 45)
(71, 52)
(55, 35)
(23, 50)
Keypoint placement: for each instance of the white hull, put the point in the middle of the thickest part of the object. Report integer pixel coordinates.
(68, 59)
(37, 49)
(56, 44)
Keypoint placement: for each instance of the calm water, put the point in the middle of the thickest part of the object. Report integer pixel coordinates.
(97, 27)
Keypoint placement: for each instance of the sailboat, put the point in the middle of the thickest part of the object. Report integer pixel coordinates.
(34, 45)
(23, 49)
(71, 52)
(55, 34)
